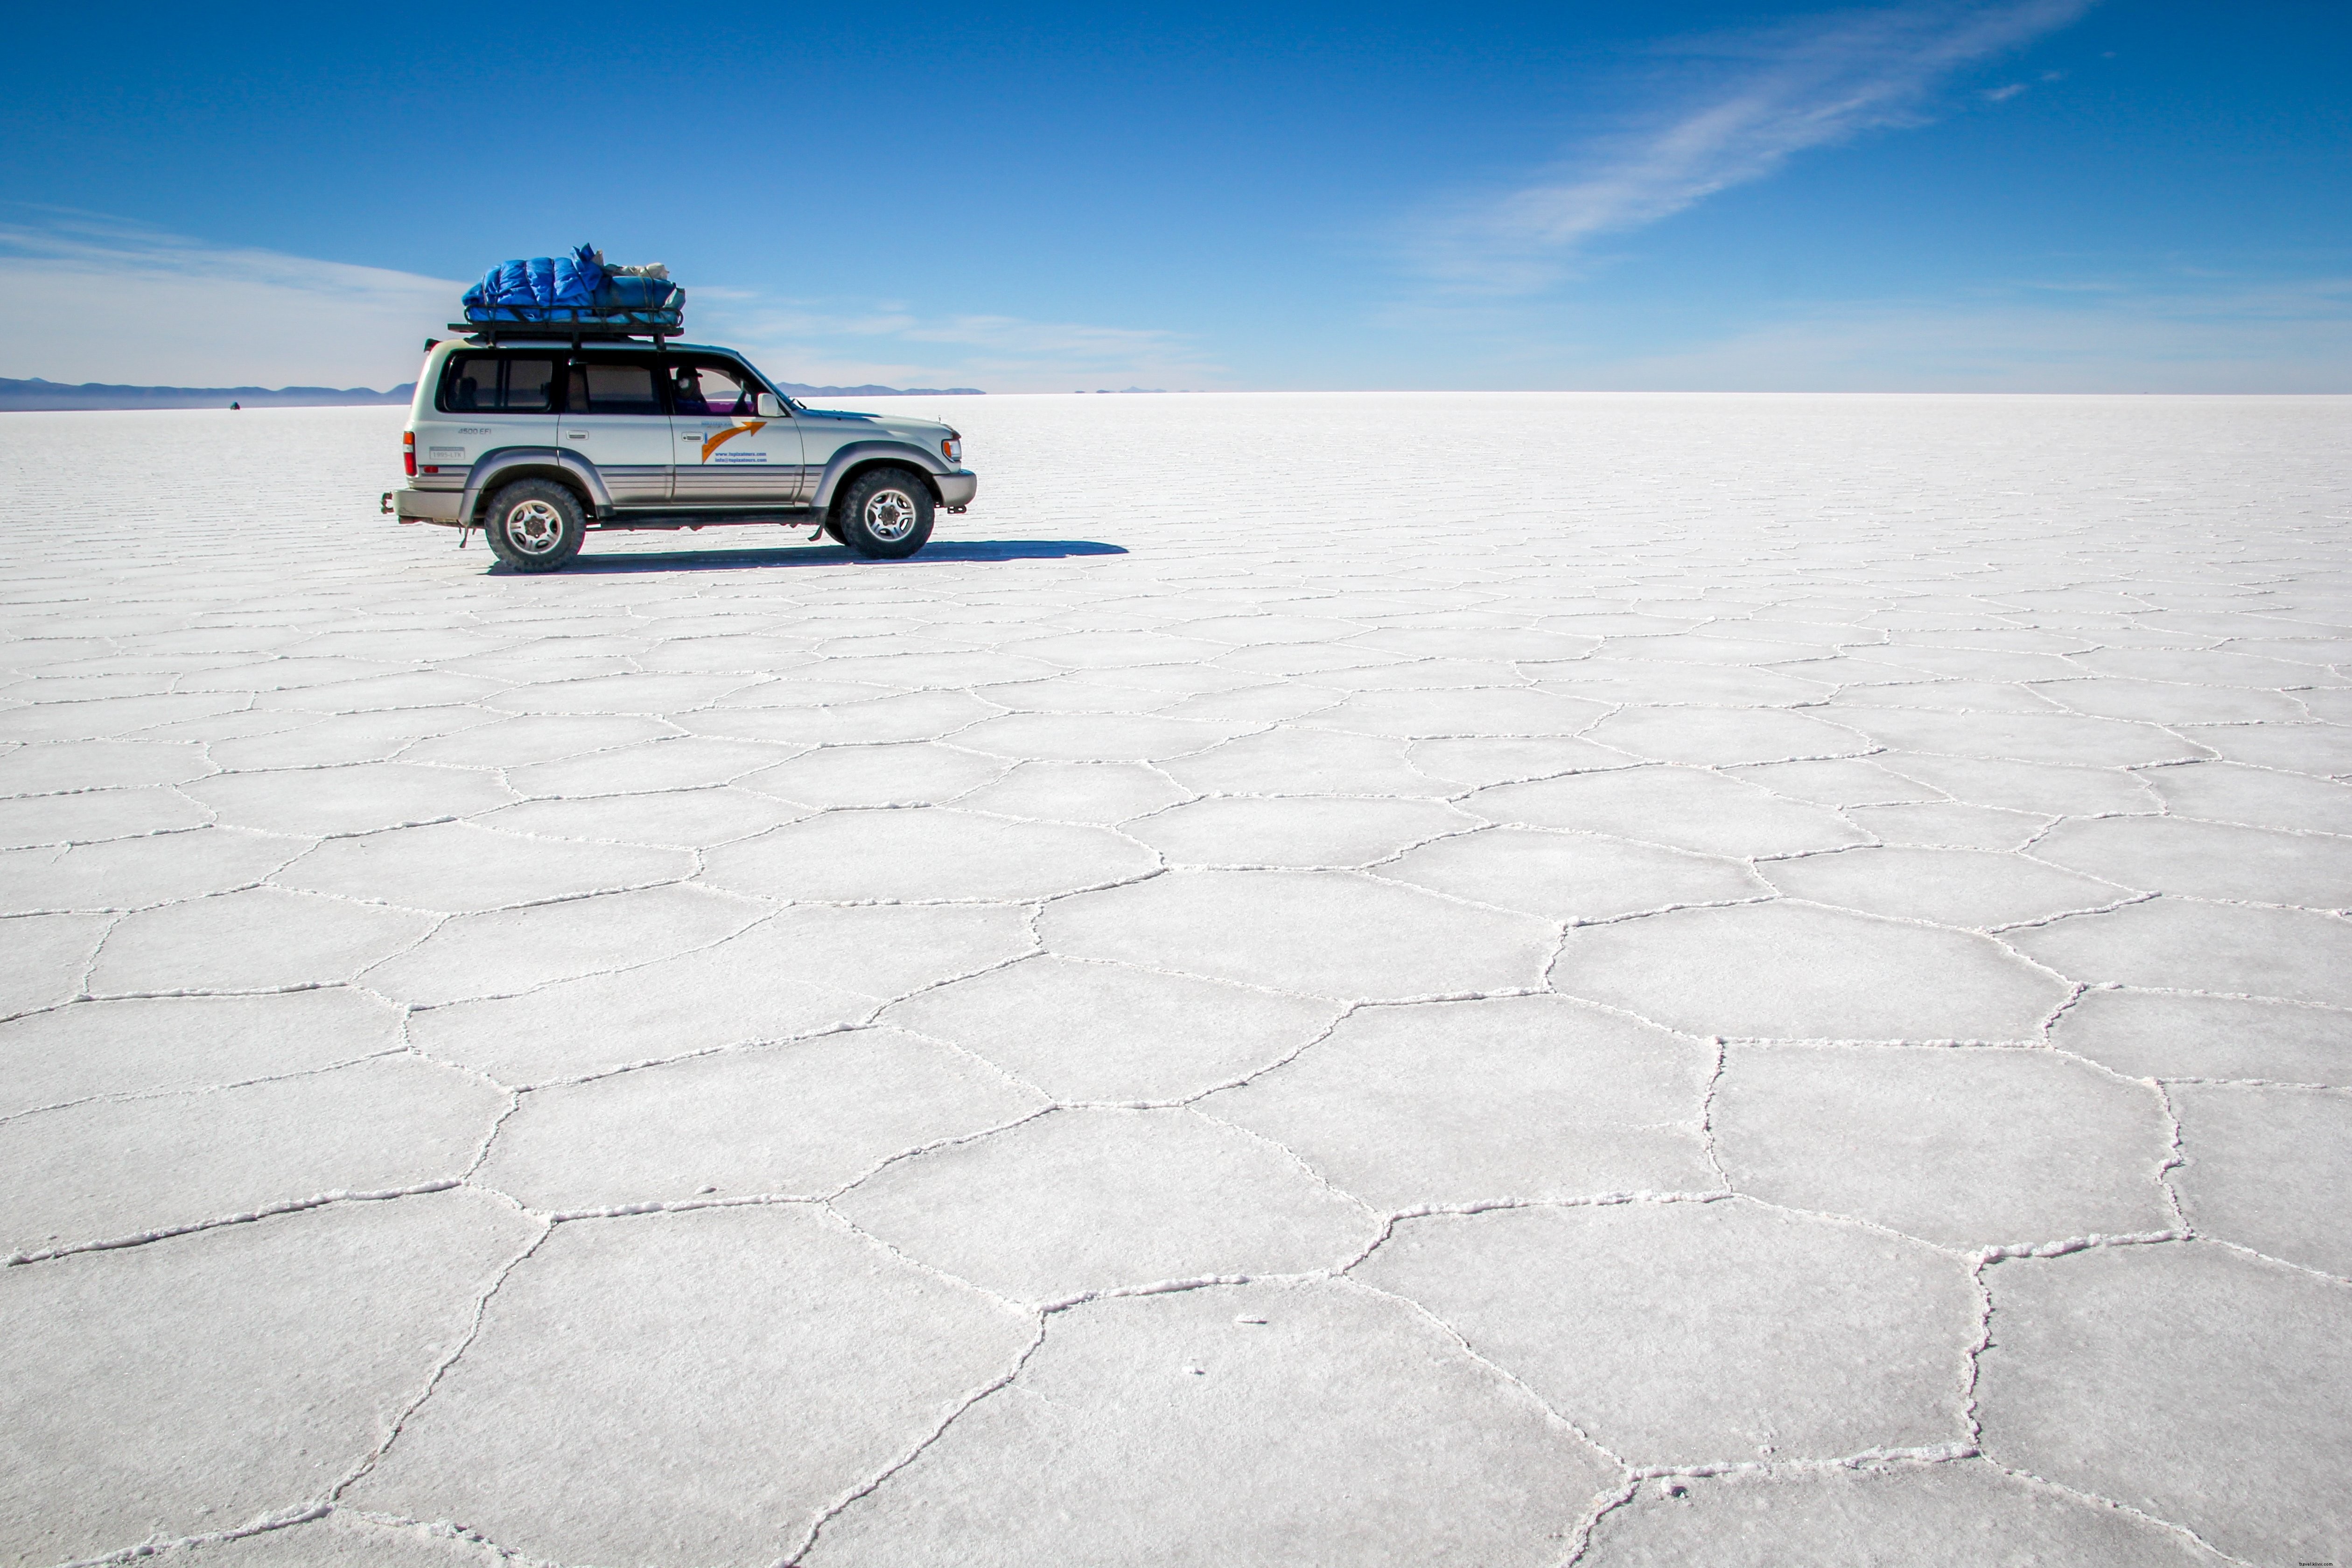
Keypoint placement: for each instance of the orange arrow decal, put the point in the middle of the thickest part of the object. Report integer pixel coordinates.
(712, 443)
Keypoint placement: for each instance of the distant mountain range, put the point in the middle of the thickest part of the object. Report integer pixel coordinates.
(34, 394)
(795, 389)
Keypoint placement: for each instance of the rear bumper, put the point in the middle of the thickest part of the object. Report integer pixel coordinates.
(425, 506)
(957, 490)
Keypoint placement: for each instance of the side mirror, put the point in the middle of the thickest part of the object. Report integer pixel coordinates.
(771, 406)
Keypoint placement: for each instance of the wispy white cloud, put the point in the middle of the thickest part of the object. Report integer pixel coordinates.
(118, 301)
(1749, 104)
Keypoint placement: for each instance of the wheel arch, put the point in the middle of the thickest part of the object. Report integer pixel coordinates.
(864, 456)
(494, 470)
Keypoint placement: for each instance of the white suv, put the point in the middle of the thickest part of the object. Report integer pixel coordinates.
(535, 440)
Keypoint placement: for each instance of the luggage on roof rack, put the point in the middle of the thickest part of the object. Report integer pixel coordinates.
(574, 295)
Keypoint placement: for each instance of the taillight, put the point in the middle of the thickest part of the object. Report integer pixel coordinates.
(408, 452)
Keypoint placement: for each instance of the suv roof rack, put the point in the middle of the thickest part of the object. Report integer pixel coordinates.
(576, 333)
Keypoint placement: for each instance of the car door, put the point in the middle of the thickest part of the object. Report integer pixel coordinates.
(613, 416)
(726, 455)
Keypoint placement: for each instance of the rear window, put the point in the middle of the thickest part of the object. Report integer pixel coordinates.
(499, 383)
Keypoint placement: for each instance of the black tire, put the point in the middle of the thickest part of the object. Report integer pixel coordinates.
(885, 515)
(535, 525)
(833, 527)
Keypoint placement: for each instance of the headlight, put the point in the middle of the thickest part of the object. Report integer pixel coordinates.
(952, 448)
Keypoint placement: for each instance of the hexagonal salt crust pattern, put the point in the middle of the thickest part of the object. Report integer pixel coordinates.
(1636, 980)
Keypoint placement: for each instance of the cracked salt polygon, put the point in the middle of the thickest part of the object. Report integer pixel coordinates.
(678, 1389)
(2196, 1385)
(340, 1540)
(1472, 763)
(1964, 1148)
(152, 1045)
(909, 773)
(1723, 737)
(1096, 737)
(1833, 783)
(682, 762)
(686, 819)
(1295, 830)
(2206, 860)
(1112, 1032)
(2044, 789)
(506, 951)
(1459, 1102)
(324, 743)
(202, 1381)
(2174, 943)
(1945, 695)
(1949, 824)
(2170, 703)
(1085, 1200)
(1572, 876)
(2316, 749)
(1323, 1424)
(1964, 1514)
(1336, 935)
(93, 816)
(2259, 797)
(2269, 1168)
(1950, 887)
(287, 674)
(924, 853)
(61, 765)
(1692, 1332)
(800, 1119)
(257, 940)
(130, 874)
(108, 1169)
(359, 798)
(1303, 761)
(2152, 1033)
(1675, 806)
(535, 738)
(1784, 970)
(653, 695)
(457, 867)
(1514, 713)
(1101, 793)
(872, 720)
(2022, 737)
(109, 717)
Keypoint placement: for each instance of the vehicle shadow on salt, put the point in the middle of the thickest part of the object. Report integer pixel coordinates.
(940, 550)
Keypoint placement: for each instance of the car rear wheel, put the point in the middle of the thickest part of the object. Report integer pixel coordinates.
(535, 525)
(886, 514)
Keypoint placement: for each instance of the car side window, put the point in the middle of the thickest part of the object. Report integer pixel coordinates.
(614, 386)
(497, 383)
(715, 389)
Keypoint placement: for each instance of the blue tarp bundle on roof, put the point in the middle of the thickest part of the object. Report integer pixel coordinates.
(574, 289)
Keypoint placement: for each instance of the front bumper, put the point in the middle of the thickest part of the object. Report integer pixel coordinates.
(957, 490)
(425, 506)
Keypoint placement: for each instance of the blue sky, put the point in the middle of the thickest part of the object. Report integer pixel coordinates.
(2030, 195)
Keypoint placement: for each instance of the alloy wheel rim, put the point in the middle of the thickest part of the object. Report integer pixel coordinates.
(890, 516)
(535, 528)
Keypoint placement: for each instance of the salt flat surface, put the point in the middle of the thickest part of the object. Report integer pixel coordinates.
(1324, 980)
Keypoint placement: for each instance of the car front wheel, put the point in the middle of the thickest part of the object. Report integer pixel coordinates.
(535, 525)
(886, 514)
